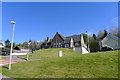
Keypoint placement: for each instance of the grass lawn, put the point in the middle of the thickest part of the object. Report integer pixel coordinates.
(50, 53)
(0, 67)
(94, 65)
(2, 57)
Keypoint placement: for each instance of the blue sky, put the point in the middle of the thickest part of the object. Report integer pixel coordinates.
(38, 20)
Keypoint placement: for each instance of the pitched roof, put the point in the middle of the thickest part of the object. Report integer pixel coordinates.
(76, 38)
(20, 47)
(61, 36)
(111, 36)
(45, 41)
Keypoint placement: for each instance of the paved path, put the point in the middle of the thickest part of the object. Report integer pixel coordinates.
(15, 59)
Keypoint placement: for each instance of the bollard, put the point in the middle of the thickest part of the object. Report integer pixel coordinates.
(60, 54)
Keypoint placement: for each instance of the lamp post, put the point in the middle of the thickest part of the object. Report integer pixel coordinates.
(12, 22)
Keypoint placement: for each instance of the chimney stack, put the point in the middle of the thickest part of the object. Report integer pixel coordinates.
(48, 38)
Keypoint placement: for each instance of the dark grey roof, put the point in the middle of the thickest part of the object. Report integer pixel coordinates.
(67, 39)
(50, 40)
(76, 38)
(45, 41)
(61, 36)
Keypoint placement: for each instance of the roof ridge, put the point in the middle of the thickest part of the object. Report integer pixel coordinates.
(61, 36)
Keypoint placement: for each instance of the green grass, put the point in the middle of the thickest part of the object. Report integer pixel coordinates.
(49, 53)
(2, 58)
(0, 67)
(94, 65)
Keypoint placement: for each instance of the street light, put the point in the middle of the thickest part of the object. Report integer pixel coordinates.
(12, 22)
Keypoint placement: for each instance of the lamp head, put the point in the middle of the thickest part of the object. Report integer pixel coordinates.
(13, 22)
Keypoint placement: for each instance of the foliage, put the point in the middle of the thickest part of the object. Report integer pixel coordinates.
(94, 36)
(38, 46)
(25, 44)
(19, 45)
(93, 44)
(102, 34)
(34, 44)
(115, 31)
(7, 43)
(85, 37)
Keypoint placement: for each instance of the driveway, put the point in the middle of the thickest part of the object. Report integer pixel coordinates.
(15, 59)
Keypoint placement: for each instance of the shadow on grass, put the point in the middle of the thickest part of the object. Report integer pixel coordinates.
(6, 67)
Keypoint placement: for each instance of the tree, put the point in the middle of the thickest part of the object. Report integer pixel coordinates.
(33, 44)
(101, 35)
(14, 44)
(94, 44)
(85, 37)
(19, 44)
(25, 44)
(115, 31)
(94, 36)
(7, 43)
(38, 45)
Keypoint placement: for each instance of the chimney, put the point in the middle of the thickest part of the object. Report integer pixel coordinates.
(48, 38)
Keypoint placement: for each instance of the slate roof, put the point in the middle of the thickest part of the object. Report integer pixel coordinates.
(111, 36)
(76, 38)
(20, 47)
(45, 41)
(61, 36)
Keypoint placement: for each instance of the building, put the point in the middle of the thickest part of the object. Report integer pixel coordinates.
(75, 42)
(111, 41)
(21, 49)
(1, 44)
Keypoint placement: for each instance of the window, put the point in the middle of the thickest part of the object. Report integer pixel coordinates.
(56, 40)
(76, 44)
(66, 45)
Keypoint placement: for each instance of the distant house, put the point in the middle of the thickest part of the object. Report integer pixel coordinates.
(75, 42)
(47, 43)
(19, 48)
(111, 41)
(1, 44)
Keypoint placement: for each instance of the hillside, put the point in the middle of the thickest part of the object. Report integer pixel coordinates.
(50, 53)
(93, 65)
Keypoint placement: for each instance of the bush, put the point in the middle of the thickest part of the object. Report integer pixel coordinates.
(94, 45)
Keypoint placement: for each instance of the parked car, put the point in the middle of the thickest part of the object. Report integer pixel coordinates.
(5, 53)
(106, 49)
